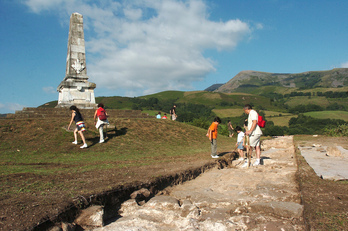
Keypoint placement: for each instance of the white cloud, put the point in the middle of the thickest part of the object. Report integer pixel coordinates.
(344, 65)
(49, 90)
(40, 5)
(10, 107)
(149, 46)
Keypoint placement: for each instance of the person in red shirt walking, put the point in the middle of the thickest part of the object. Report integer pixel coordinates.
(101, 115)
(212, 135)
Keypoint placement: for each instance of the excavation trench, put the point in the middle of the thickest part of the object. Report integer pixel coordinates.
(227, 197)
(112, 200)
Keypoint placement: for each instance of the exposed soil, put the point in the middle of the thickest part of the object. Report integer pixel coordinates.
(325, 201)
(28, 210)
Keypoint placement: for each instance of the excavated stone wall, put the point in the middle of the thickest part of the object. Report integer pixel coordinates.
(264, 197)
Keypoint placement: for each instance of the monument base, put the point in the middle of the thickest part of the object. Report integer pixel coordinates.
(79, 106)
(80, 94)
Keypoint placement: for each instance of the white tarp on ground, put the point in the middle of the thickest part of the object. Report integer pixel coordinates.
(327, 167)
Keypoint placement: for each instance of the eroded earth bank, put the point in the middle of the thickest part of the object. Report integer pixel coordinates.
(264, 197)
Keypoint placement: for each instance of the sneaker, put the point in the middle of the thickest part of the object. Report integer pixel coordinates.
(257, 162)
(75, 142)
(84, 146)
(102, 141)
(215, 156)
(245, 164)
(241, 159)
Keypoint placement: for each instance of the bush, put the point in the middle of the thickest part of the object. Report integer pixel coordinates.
(340, 130)
(309, 125)
(201, 123)
(223, 130)
(273, 131)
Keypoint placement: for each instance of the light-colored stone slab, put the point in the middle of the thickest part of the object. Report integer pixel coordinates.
(327, 167)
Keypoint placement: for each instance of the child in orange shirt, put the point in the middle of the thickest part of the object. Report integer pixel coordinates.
(212, 134)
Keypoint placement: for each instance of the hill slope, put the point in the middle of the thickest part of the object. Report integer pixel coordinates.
(337, 77)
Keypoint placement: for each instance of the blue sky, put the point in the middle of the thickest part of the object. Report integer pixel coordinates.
(140, 47)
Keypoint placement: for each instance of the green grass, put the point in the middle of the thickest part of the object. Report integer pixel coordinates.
(166, 95)
(342, 115)
(48, 152)
(115, 102)
(281, 120)
(303, 100)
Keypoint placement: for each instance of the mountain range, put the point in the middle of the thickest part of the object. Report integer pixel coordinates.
(245, 81)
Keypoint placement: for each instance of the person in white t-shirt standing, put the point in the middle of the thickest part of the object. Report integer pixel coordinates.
(254, 132)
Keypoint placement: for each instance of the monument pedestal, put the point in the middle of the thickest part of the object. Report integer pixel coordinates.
(80, 94)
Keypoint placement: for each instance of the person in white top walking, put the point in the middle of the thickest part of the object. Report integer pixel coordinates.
(254, 132)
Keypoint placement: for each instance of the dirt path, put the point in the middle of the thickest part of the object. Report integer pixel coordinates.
(265, 197)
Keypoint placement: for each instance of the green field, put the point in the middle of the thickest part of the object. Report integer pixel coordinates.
(302, 100)
(281, 121)
(166, 95)
(342, 115)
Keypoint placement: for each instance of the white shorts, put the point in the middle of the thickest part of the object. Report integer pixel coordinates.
(173, 117)
(255, 140)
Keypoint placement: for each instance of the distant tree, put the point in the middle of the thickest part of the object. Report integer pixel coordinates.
(309, 125)
(273, 131)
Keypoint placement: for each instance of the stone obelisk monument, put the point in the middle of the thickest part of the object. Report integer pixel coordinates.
(75, 88)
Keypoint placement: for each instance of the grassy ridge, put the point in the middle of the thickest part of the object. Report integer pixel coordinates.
(133, 145)
(166, 95)
(42, 147)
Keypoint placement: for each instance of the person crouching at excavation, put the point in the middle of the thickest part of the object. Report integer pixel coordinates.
(102, 121)
(254, 132)
(80, 125)
(212, 134)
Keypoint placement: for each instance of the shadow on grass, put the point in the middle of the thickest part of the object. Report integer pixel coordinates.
(110, 134)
